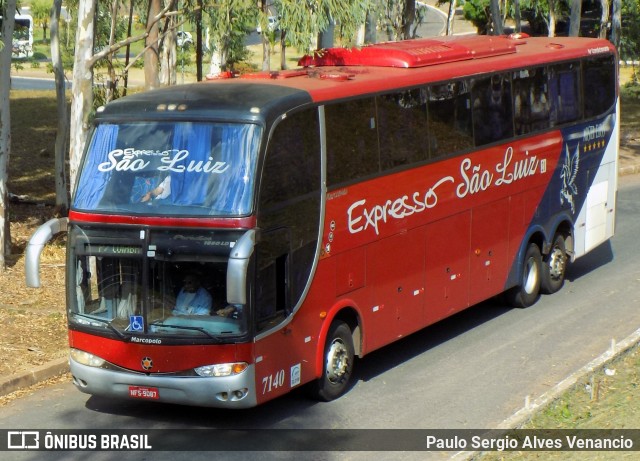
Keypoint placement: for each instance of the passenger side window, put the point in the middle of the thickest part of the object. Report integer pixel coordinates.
(404, 137)
(564, 93)
(530, 100)
(449, 118)
(492, 111)
(599, 85)
(352, 140)
(288, 216)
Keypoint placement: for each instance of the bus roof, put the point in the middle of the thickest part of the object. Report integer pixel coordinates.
(335, 74)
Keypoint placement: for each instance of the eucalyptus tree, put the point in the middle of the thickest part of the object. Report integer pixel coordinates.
(399, 19)
(605, 9)
(7, 10)
(40, 10)
(496, 17)
(626, 16)
(62, 133)
(85, 60)
(543, 15)
(576, 15)
(452, 5)
(300, 22)
(229, 21)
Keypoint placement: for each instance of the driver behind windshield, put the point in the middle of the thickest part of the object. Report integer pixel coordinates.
(192, 299)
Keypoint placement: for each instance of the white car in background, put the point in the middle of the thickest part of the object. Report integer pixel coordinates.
(272, 24)
(184, 39)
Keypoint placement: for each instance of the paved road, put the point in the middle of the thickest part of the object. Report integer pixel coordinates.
(31, 83)
(471, 371)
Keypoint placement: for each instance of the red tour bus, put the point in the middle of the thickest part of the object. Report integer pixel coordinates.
(235, 239)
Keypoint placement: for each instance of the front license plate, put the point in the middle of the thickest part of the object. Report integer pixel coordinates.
(141, 392)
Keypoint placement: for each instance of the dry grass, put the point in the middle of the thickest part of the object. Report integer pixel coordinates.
(32, 320)
(604, 400)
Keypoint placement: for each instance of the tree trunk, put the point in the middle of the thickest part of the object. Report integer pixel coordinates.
(616, 23)
(8, 13)
(517, 17)
(326, 38)
(408, 18)
(370, 35)
(552, 18)
(62, 134)
(451, 17)
(127, 57)
(496, 19)
(111, 82)
(82, 99)
(168, 64)
(605, 5)
(199, 51)
(283, 49)
(151, 56)
(574, 21)
(266, 49)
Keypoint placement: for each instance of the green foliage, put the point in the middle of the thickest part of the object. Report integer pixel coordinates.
(40, 10)
(630, 39)
(230, 21)
(477, 11)
(103, 26)
(630, 90)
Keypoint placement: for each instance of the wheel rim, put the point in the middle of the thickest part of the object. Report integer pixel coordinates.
(530, 276)
(337, 361)
(556, 264)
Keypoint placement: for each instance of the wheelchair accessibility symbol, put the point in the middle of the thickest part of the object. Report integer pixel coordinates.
(136, 323)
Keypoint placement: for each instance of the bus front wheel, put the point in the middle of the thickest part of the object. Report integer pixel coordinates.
(527, 291)
(338, 363)
(554, 266)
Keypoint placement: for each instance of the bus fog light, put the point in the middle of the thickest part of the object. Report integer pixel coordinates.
(240, 393)
(86, 358)
(222, 369)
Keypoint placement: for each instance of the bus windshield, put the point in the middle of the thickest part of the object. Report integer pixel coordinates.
(166, 285)
(169, 168)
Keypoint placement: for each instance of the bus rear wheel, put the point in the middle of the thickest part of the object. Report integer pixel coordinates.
(338, 364)
(554, 266)
(527, 292)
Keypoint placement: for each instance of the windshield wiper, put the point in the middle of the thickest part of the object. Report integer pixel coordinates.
(182, 327)
(105, 322)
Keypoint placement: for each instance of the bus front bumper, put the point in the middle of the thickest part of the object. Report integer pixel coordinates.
(221, 392)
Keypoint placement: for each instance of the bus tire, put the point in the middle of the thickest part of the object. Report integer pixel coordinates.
(527, 292)
(554, 267)
(338, 360)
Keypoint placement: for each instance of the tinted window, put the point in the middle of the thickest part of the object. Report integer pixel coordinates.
(170, 168)
(599, 85)
(288, 216)
(564, 93)
(530, 100)
(492, 116)
(292, 165)
(403, 128)
(352, 140)
(450, 118)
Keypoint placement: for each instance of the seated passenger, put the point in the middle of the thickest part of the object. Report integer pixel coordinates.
(192, 299)
(147, 189)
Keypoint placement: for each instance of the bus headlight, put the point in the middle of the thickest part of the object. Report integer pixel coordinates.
(221, 369)
(86, 358)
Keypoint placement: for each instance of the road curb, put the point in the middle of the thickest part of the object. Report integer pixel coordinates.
(530, 408)
(29, 378)
(627, 170)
